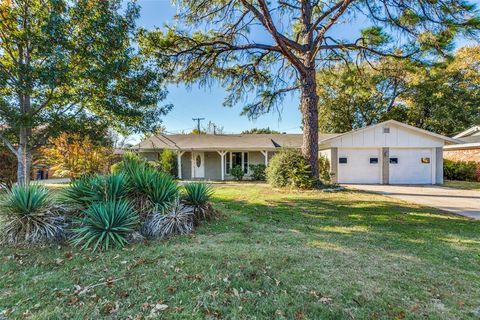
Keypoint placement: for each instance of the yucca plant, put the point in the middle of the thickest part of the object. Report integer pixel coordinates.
(176, 220)
(86, 190)
(198, 194)
(29, 216)
(151, 190)
(163, 190)
(105, 224)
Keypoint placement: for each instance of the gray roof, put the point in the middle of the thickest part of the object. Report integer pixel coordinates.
(470, 139)
(224, 141)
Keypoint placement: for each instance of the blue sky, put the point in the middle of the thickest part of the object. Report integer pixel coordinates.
(207, 102)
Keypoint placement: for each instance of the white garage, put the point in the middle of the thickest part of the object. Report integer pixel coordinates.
(390, 152)
(350, 160)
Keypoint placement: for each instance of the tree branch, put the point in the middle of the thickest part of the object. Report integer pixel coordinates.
(8, 144)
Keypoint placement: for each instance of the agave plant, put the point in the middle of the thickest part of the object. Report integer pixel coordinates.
(178, 219)
(105, 224)
(90, 189)
(29, 216)
(198, 194)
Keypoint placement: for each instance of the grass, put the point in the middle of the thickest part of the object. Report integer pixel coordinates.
(464, 185)
(273, 255)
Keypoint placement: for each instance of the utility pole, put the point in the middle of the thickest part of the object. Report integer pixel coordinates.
(198, 123)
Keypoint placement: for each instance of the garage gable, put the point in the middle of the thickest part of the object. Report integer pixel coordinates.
(389, 134)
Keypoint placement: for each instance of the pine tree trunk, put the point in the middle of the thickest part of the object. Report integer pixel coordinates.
(309, 107)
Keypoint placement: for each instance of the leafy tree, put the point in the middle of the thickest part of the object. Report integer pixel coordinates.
(74, 156)
(441, 97)
(259, 131)
(219, 40)
(352, 97)
(62, 61)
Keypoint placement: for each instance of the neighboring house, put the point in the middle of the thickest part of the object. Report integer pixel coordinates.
(388, 152)
(468, 149)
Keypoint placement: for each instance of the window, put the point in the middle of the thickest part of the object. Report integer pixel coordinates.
(425, 160)
(245, 162)
(394, 160)
(227, 168)
(236, 159)
(386, 130)
(198, 161)
(342, 160)
(373, 160)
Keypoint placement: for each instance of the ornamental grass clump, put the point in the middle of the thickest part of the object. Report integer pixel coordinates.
(29, 216)
(198, 195)
(105, 225)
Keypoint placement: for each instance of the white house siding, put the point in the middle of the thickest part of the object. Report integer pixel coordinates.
(407, 145)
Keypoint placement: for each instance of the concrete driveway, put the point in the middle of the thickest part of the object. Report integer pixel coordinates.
(462, 202)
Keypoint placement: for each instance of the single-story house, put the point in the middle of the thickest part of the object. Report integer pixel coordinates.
(468, 149)
(386, 153)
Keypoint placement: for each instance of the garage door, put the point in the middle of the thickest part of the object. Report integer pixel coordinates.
(410, 166)
(359, 165)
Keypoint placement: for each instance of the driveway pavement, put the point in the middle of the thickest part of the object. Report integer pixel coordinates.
(462, 202)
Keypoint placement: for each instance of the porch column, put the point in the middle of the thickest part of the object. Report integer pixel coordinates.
(179, 163)
(222, 163)
(265, 154)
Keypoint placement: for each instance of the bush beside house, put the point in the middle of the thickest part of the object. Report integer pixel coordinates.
(461, 170)
(289, 169)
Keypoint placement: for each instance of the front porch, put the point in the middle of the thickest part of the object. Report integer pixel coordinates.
(215, 165)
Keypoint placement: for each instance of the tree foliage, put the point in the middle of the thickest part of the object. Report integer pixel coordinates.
(261, 50)
(62, 61)
(266, 130)
(74, 156)
(441, 97)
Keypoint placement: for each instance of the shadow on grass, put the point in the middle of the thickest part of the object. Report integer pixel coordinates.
(357, 224)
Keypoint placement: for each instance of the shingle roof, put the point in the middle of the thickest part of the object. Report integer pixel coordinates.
(224, 141)
(471, 139)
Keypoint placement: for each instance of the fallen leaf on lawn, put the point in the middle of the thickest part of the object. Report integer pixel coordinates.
(325, 300)
(235, 292)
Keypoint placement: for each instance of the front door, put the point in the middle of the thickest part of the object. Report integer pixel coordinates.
(199, 165)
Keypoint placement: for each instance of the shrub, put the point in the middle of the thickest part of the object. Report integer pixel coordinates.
(237, 173)
(73, 155)
(168, 162)
(90, 189)
(324, 169)
(105, 224)
(197, 194)
(177, 220)
(288, 168)
(258, 172)
(29, 216)
(8, 169)
(460, 170)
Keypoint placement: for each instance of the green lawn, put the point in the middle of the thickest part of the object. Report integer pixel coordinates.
(273, 254)
(464, 185)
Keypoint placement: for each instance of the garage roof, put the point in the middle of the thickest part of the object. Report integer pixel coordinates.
(400, 124)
